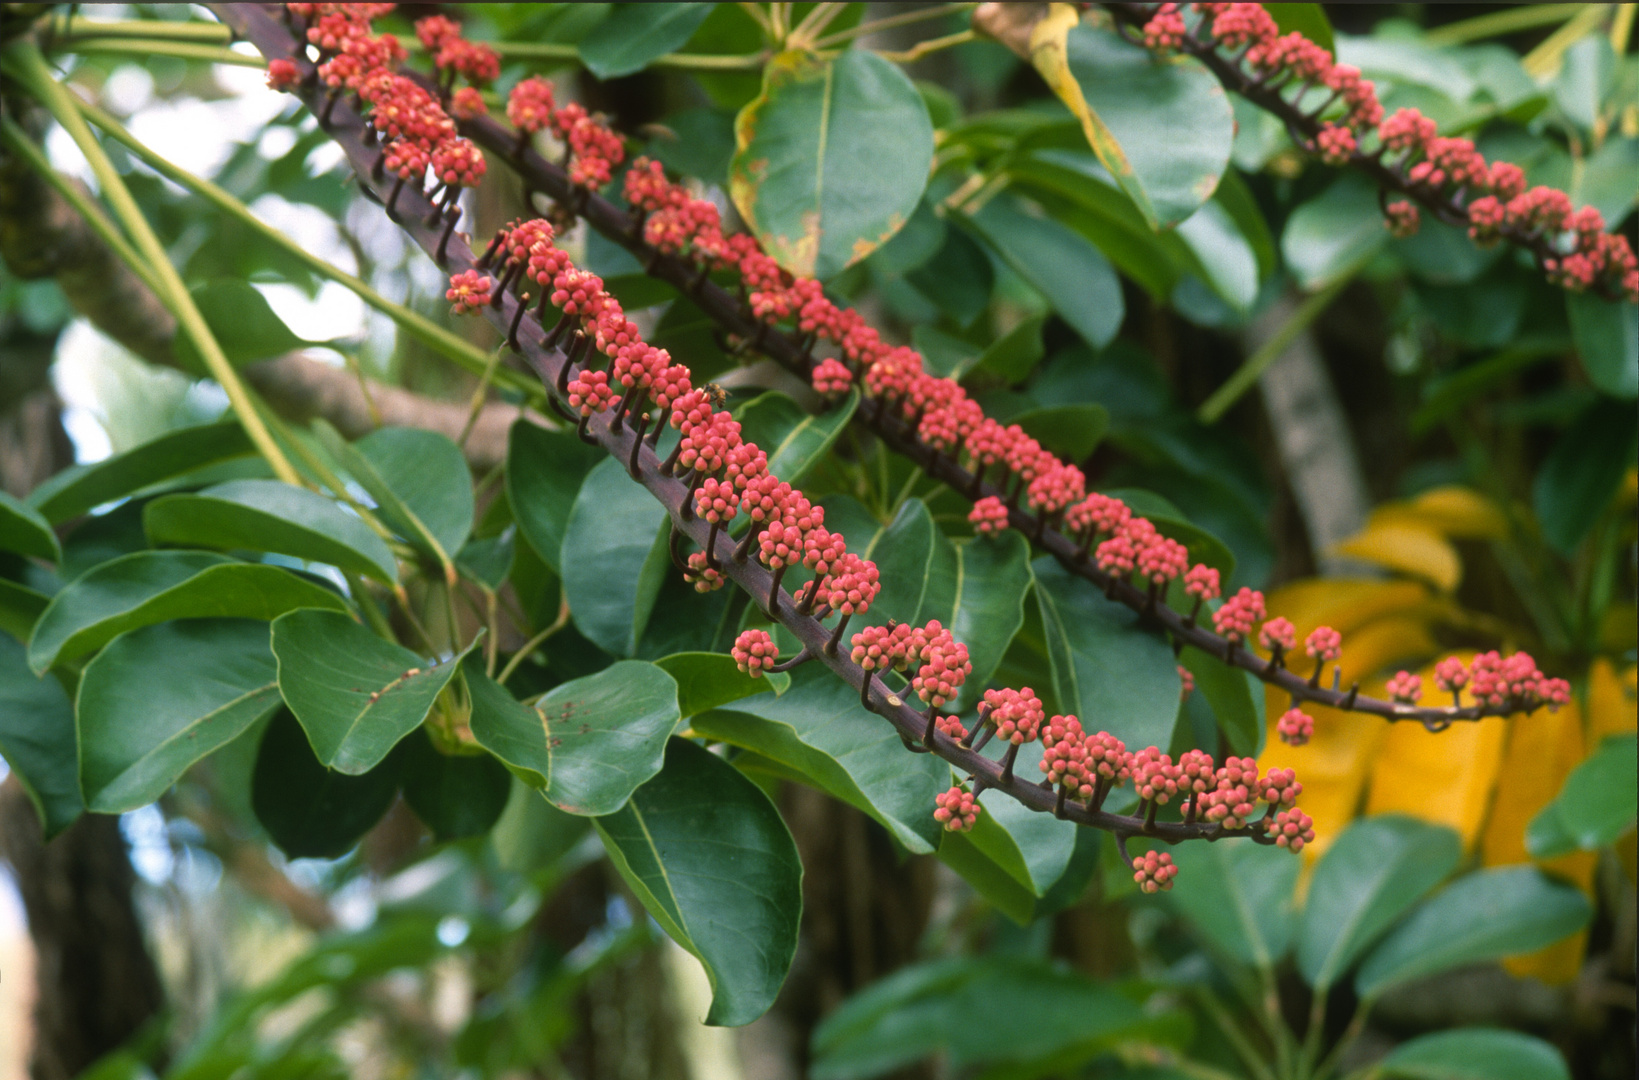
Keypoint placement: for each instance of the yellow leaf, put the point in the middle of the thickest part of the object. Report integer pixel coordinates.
(1452, 511)
(1342, 604)
(1332, 767)
(1611, 701)
(1409, 549)
(1445, 777)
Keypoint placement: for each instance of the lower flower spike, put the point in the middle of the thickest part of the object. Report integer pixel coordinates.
(755, 652)
(958, 809)
(1153, 871)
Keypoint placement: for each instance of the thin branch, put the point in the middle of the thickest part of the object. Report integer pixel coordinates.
(1246, 376)
(936, 11)
(932, 45)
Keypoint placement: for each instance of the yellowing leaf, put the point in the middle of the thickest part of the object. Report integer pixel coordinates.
(1344, 605)
(1400, 640)
(1445, 777)
(1332, 767)
(1611, 701)
(1408, 549)
(1456, 512)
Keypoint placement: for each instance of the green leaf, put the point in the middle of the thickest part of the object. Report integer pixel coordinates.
(544, 472)
(1583, 472)
(1052, 1013)
(799, 176)
(150, 587)
(24, 529)
(141, 726)
(456, 796)
(711, 861)
(1375, 870)
(634, 35)
(943, 355)
(1307, 19)
(614, 558)
(1064, 266)
(310, 811)
(994, 868)
(1227, 260)
(74, 491)
(588, 743)
(794, 440)
(20, 609)
(428, 474)
(1107, 669)
(1473, 1054)
(1607, 339)
(1605, 181)
(1161, 125)
(243, 324)
(818, 730)
(1483, 916)
(355, 694)
(1013, 356)
(1236, 699)
(1334, 233)
(976, 588)
(1598, 803)
(711, 680)
(269, 515)
(37, 739)
(1238, 897)
(1018, 837)
(1072, 432)
(1170, 522)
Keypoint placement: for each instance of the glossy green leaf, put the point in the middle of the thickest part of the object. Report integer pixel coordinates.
(74, 491)
(1307, 19)
(355, 694)
(711, 861)
(37, 738)
(588, 743)
(242, 322)
(1239, 898)
(1064, 266)
(20, 609)
(428, 474)
(1226, 258)
(1483, 916)
(544, 472)
(1584, 471)
(796, 176)
(141, 726)
(1072, 432)
(1053, 1014)
(24, 529)
(1598, 803)
(818, 730)
(634, 35)
(1170, 522)
(958, 280)
(1235, 697)
(1107, 669)
(994, 869)
(1605, 181)
(794, 440)
(269, 515)
(1473, 1054)
(310, 811)
(1013, 356)
(1607, 339)
(711, 680)
(1161, 125)
(614, 558)
(1040, 843)
(977, 588)
(1370, 876)
(456, 796)
(150, 587)
(1334, 233)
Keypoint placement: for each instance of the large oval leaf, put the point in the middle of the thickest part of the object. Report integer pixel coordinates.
(1473, 1054)
(1108, 670)
(711, 861)
(355, 694)
(1486, 915)
(1597, 804)
(818, 731)
(1375, 870)
(707, 680)
(149, 587)
(25, 529)
(74, 491)
(1238, 896)
(454, 795)
(310, 811)
(544, 472)
(794, 440)
(141, 725)
(588, 743)
(269, 515)
(831, 158)
(1333, 234)
(20, 609)
(37, 738)
(428, 474)
(1234, 696)
(635, 34)
(614, 558)
(1607, 339)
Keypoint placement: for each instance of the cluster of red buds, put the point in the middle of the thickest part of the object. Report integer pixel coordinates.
(1513, 682)
(1440, 171)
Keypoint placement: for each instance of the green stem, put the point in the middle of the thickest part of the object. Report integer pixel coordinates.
(905, 492)
(1312, 1037)
(145, 47)
(1232, 1032)
(22, 59)
(367, 604)
(78, 26)
(423, 329)
(1499, 23)
(934, 11)
(1244, 378)
(1357, 1024)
